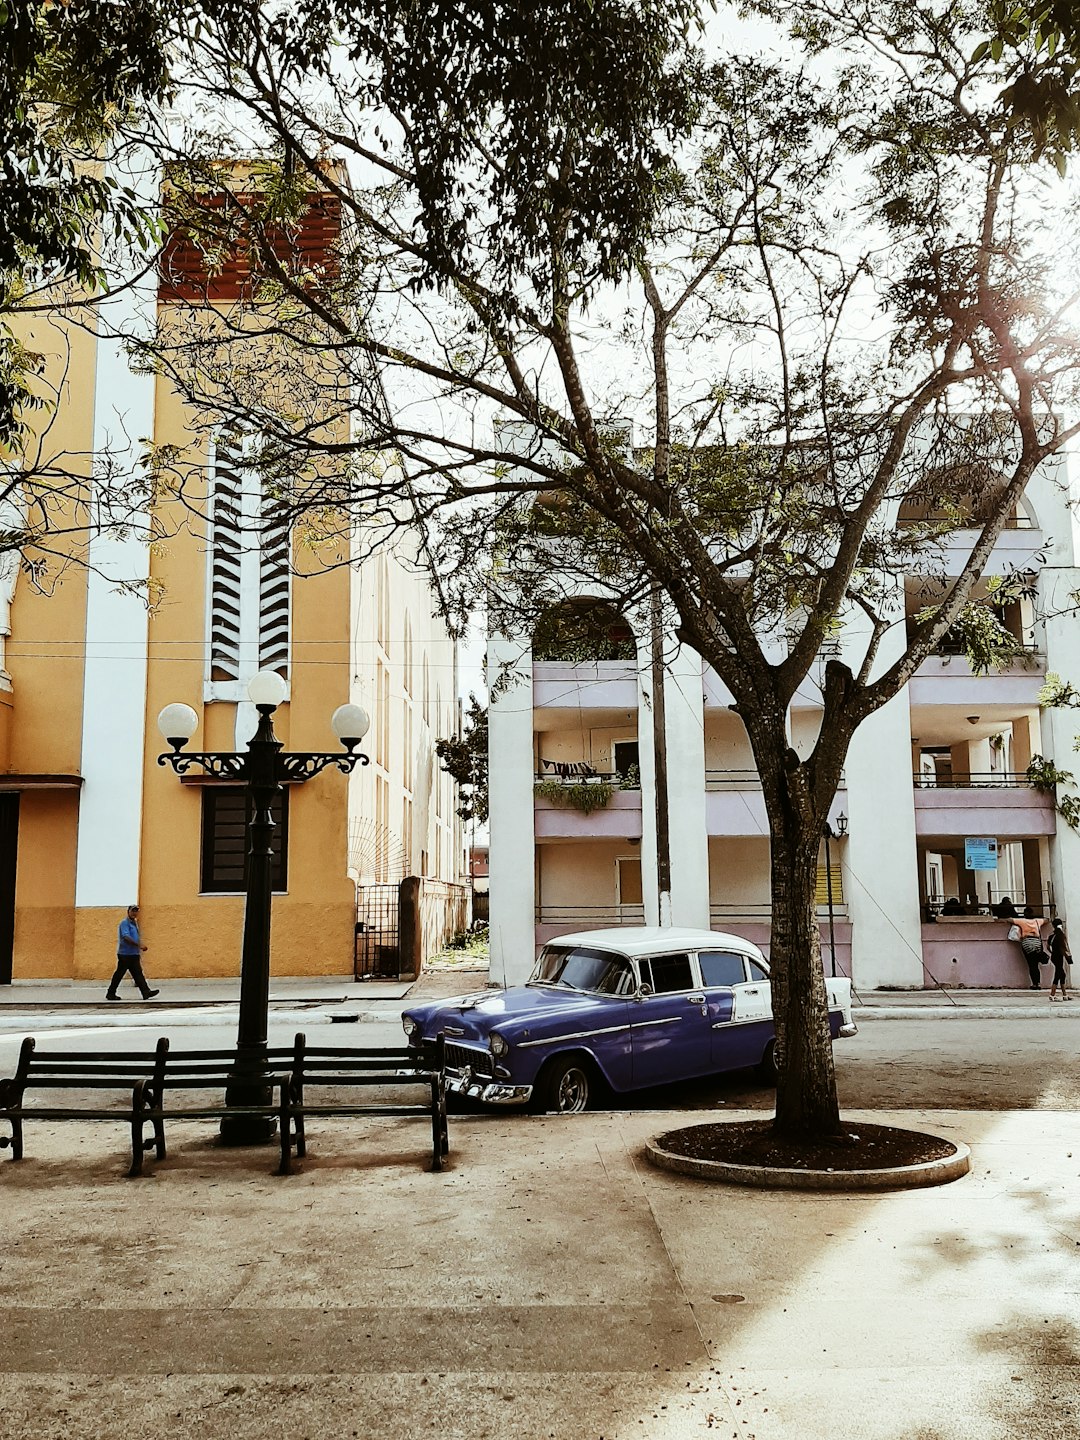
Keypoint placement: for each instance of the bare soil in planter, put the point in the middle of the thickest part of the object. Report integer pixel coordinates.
(754, 1142)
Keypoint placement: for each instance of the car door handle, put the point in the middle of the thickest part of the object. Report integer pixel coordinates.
(695, 999)
(754, 991)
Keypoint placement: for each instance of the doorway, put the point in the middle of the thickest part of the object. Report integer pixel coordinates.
(9, 852)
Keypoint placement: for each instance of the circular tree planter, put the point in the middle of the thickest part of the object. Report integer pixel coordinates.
(872, 1157)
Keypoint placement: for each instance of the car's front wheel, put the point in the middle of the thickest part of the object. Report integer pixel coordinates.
(565, 1087)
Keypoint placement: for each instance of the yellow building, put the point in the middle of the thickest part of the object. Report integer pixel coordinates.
(181, 606)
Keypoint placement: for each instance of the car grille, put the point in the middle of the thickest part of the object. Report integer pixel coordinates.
(458, 1057)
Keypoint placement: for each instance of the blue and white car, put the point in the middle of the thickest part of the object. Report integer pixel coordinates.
(624, 1009)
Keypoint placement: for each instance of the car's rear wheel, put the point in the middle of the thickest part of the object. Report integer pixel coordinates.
(566, 1086)
(767, 1067)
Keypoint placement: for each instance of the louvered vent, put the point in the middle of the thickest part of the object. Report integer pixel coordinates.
(274, 592)
(225, 593)
(249, 576)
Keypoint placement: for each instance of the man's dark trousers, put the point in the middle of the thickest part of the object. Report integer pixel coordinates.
(129, 964)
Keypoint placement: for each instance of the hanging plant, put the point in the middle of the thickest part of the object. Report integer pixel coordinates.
(1043, 775)
(583, 795)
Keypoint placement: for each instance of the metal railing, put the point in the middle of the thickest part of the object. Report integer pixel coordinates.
(745, 780)
(972, 780)
(761, 914)
(573, 916)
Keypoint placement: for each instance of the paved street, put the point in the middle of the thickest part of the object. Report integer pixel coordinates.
(550, 1284)
(898, 1059)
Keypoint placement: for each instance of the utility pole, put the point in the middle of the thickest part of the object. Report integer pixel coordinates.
(663, 827)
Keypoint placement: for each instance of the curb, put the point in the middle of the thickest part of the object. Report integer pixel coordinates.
(768, 1177)
(962, 1012)
(145, 1017)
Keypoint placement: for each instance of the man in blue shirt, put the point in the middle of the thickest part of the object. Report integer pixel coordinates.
(129, 948)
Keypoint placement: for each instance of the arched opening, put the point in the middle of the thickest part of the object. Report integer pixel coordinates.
(581, 630)
(960, 497)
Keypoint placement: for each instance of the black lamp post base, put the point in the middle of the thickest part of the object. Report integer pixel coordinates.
(238, 1130)
(249, 1088)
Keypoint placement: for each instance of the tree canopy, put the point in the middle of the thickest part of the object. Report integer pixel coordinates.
(825, 287)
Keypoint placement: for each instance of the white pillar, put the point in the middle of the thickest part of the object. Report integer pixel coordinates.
(686, 791)
(114, 680)
(1060, 733)
(879, 861)
(647, 766)
(510, 800)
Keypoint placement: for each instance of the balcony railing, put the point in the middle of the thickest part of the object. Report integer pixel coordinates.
(973, 780)
(590, 917)
(578, 773)
(744, 780)
(761, 914)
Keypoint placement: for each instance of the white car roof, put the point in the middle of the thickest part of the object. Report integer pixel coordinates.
(639, 940)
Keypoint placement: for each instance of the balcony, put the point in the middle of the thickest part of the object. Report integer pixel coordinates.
(735, 806)
(555, 920)
(949, 680)
(1001, 804)
(586, 685)
(619, 819)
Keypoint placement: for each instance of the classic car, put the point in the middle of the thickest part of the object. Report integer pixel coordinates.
(624, 1009)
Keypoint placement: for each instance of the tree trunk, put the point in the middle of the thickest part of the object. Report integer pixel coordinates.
(806, 1103)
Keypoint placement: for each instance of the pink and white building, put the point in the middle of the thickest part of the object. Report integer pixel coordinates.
(943, 763)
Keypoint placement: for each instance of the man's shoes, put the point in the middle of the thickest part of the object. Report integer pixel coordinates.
(111, 997)
(150, 994)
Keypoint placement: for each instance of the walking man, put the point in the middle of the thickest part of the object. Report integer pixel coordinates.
(129, 948)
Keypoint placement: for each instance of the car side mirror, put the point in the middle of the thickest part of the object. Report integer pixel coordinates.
(642, 992)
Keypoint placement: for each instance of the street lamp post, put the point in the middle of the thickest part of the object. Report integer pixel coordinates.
(831, 834)
(261, 769)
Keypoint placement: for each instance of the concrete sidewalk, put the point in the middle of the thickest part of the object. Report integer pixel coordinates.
(550, 1284)
(944, 1004)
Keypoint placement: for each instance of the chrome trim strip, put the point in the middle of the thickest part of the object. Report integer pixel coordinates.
(664, 1020)
(576, 1035)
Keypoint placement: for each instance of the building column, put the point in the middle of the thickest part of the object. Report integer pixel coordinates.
(879, 858)
(512, 856)
(647, 766)
(686, 791)
(117, 627)
(1060, 733)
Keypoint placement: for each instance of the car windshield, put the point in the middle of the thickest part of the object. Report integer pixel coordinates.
(574, 967)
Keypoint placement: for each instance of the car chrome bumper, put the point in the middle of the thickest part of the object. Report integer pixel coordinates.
(847, 1030)
(490, 1092)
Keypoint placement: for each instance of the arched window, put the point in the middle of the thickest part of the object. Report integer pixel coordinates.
(583, 629)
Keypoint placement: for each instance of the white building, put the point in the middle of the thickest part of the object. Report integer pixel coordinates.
(943, 763)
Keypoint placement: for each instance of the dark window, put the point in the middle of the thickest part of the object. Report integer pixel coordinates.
(669, 973)
(225, 819)
(757, 972)
(721, 967)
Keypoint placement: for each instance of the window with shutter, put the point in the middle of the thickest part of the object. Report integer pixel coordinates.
(249, 574)
(226, 814)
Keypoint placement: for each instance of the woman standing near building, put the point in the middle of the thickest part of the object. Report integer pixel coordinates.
(1028, 930)
(1061, 956)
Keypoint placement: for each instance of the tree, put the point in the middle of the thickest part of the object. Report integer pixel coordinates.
(72, 75)
(1039, 41)
(464, 758)
(843, 304)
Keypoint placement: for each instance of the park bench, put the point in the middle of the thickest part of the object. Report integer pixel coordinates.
(126, 1073)
(150, 1081)
(337, 1068)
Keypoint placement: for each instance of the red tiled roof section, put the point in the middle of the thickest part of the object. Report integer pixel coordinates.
(187, 273)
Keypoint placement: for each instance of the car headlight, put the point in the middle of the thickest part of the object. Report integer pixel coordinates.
(409, 1026)
(498, 1045)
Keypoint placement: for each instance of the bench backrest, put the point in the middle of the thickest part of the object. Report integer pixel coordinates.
(119, 1069)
